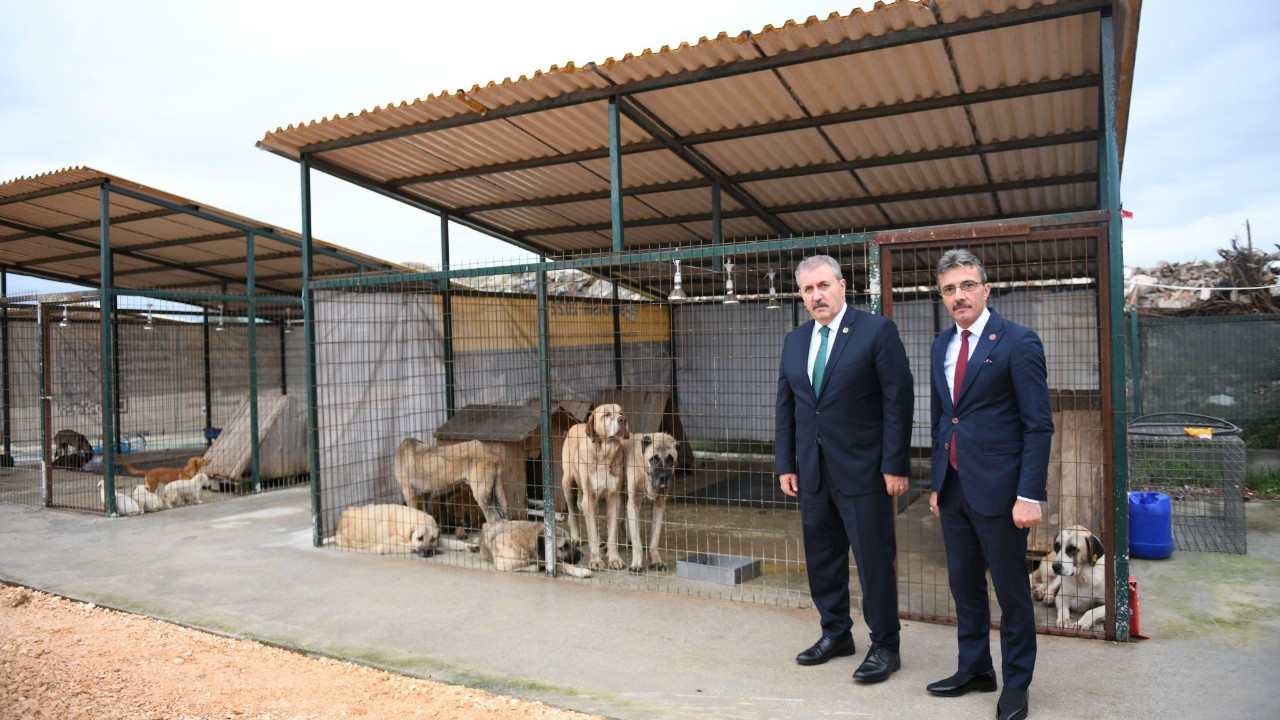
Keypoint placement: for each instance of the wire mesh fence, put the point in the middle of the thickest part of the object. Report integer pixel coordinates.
(180, 373)
(510, 373)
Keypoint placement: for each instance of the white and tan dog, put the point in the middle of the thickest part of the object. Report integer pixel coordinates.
(125, 505)
(147, 500)
(650, 462)
(1079, 578)
(422, 469)
(520, 546)
(184, 492)
(388, 529)
(591, 460)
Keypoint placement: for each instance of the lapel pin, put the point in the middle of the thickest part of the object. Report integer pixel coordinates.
(988, 361)
(992, 336)
(845, 330)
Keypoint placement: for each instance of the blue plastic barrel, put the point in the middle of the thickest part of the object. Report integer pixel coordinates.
(1150, 525)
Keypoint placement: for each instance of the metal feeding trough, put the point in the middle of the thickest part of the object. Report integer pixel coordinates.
(716, 568)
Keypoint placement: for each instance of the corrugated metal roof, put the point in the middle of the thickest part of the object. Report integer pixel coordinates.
(912, 114)
(49, 227)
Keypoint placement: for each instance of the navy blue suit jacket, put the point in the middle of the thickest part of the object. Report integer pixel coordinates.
(862, 420)
(1003, 421)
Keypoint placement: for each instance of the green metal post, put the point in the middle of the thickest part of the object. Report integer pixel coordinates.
(1109, 182)
(717, 231)
(6, 425)
(255, 458)
(615, 174)
(309, 349)
(106, 302)
(873, 279)
(544, 404)
(208, 374)
(46, 408)
(446, 311)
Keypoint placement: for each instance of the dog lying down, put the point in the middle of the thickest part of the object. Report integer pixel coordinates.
(393, 529)
(1073, 577)
(125, 505)
(520, 546)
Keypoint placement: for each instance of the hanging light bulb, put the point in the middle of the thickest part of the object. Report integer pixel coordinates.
(677, 292)
(730, 297)
(288, 320)
(150, 325)
(65, 322)
(221, 320)
(773, 294)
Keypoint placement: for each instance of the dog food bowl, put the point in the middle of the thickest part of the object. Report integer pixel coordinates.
(717, 568)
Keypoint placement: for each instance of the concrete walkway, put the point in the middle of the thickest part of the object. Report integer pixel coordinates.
(246, 568)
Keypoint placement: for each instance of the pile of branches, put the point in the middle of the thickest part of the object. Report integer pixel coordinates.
(1239, 268)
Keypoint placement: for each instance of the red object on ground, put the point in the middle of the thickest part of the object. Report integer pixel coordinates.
(1135, 625)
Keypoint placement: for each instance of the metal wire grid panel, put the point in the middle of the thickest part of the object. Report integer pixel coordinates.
(180, 372)
(1048, 282)
(1204, 480)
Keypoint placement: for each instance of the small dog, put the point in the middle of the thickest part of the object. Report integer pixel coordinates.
(591, 461)
(155, 477)
(125, 505)
(651, 463)
(1080, 578)
(71, 450)
(147, 500)
(184, 492)
(520, 546)
(1042, 576)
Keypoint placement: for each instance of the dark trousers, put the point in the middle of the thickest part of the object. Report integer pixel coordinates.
(974, 544)
(833, 523)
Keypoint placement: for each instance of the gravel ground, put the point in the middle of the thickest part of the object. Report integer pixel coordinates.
(72, 661)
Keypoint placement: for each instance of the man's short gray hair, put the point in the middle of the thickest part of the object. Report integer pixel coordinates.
(960, 257)
(813, 262)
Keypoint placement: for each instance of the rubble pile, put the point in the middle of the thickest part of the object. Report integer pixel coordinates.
(1200, 287)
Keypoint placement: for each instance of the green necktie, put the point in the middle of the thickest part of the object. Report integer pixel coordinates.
(820, 362)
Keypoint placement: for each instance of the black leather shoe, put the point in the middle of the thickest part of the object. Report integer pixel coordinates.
(962, 683)
(827, 648)
(1012, 705)
(879, 665)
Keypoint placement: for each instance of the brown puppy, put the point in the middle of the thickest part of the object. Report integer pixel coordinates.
(155, 477)
(592, 462)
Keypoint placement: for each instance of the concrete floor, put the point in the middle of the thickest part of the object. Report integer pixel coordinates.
(246, 567)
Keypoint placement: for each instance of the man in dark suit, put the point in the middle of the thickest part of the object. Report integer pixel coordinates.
(992, 426)
(843, 434)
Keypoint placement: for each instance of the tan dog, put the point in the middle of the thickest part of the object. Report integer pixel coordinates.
(650, 461)
(388, 529)
(1080, 578)
(147, 500)
(592, 462)
(155, 477)
(429, 470)
(520, 546)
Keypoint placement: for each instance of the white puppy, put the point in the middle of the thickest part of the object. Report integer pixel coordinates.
(147, 500)
(1081, 578)
(182, 492)
(125, 505)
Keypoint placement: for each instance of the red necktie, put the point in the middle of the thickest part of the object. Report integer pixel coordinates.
(962, 362)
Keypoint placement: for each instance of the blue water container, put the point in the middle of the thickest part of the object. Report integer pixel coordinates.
(1150, 525)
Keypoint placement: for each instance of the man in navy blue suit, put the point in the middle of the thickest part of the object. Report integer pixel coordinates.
(843, 435)
(992, 425)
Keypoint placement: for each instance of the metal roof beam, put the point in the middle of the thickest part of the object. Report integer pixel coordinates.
(945, 102)
(655, 127)
(965, 26)
(844, 202)
(87, 224)
(37, 194)
(139, 248)
(841, 166)
(215, 262)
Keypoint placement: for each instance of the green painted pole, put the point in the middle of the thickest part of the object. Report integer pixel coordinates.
(1109, 182)
(446, 312)
(309, 349)
(544, 404)
(107, 301)
(255, 457)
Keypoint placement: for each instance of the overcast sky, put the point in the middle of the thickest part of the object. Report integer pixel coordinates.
(175, 94)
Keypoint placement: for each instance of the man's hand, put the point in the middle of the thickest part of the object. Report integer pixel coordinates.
(933, 502)
(896, 485)
(1026, 514)
(789, 483)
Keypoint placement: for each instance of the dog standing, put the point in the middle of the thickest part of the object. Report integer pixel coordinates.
(650, 461)
(183, 492)
(1080, 578)
(155, 477)
(592, 462)
(422, 469)
(520, 546)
